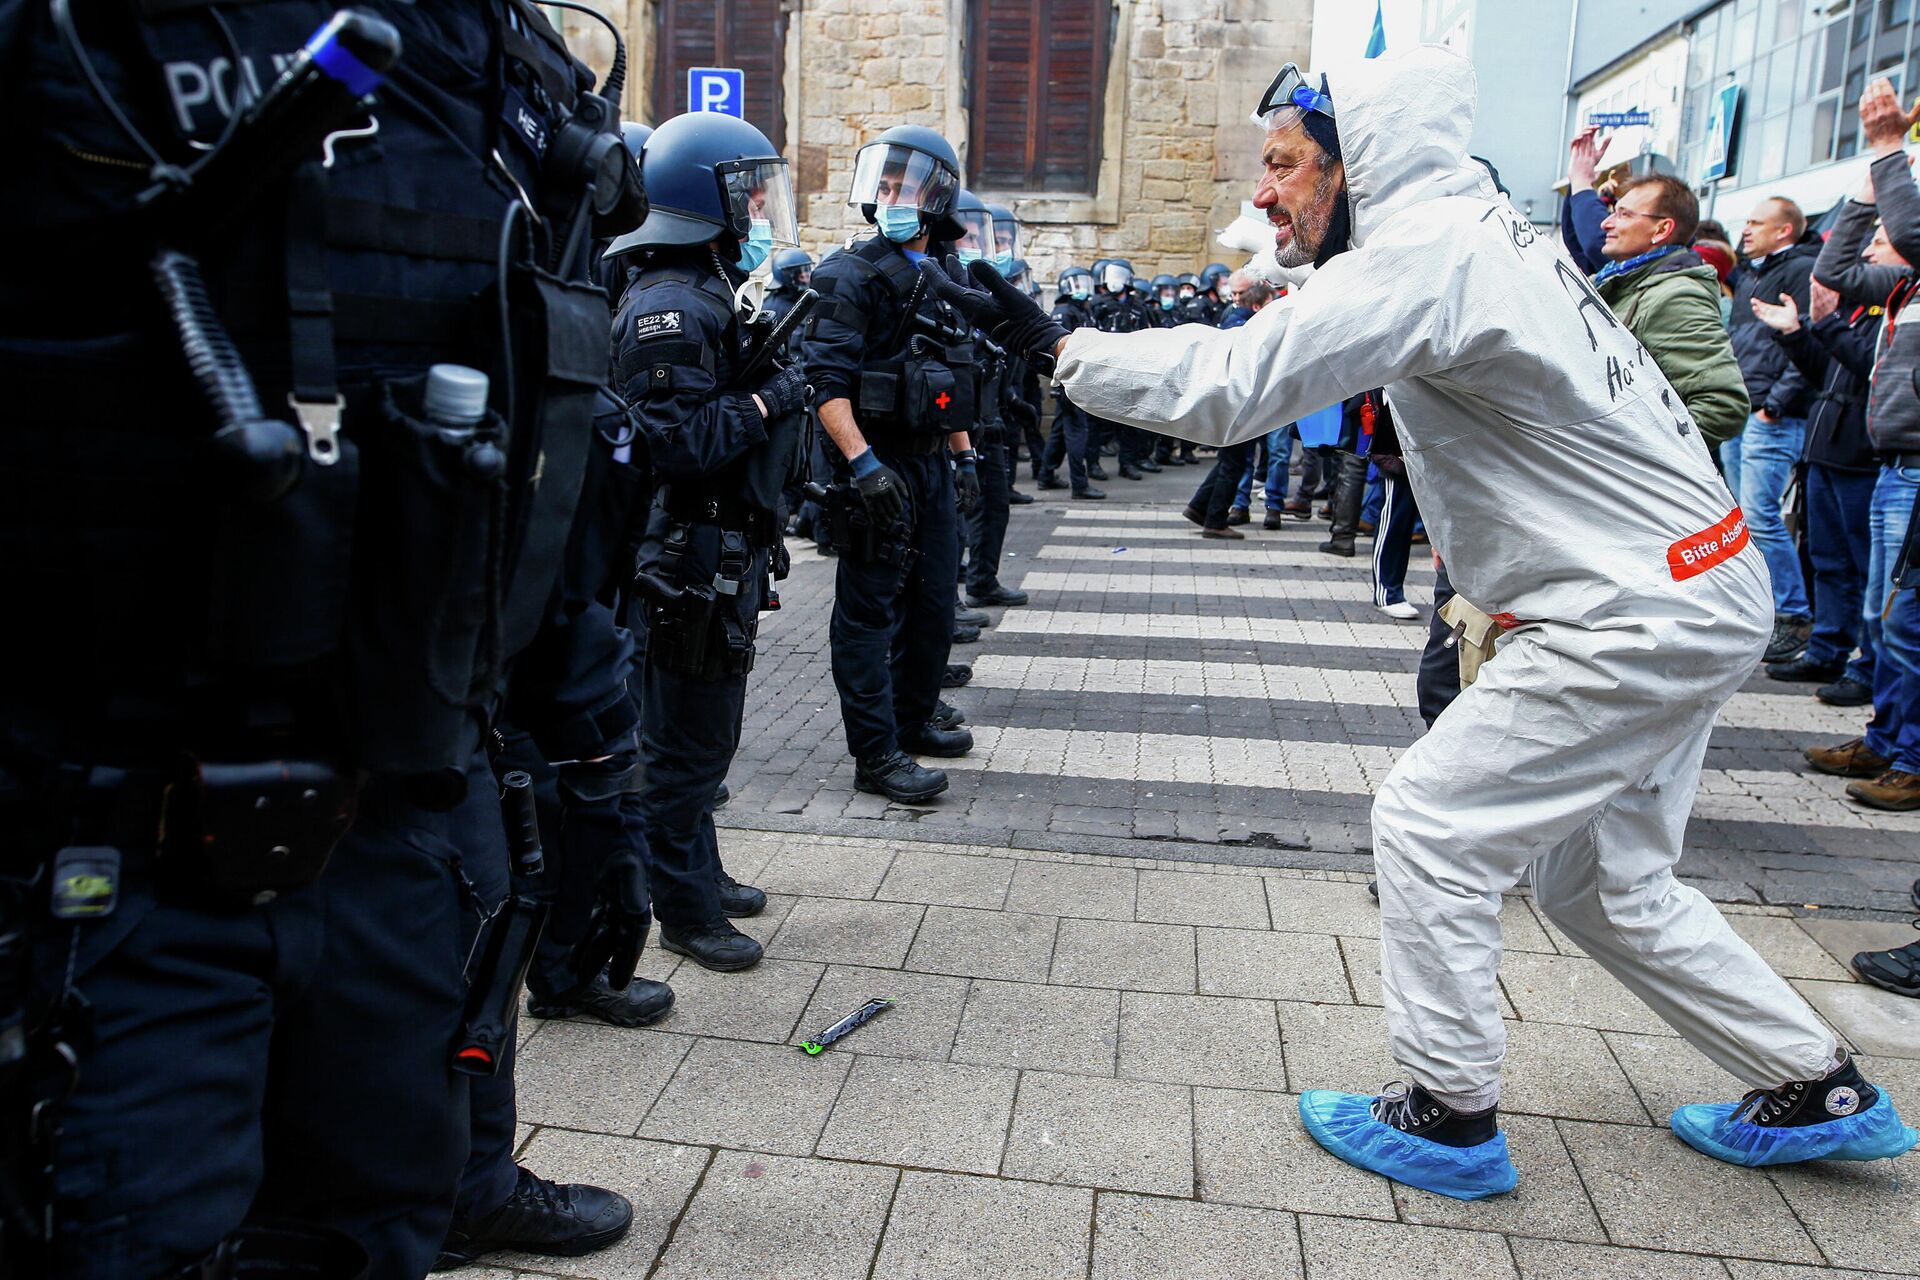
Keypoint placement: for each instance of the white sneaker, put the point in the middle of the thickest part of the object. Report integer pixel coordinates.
(1405, 610)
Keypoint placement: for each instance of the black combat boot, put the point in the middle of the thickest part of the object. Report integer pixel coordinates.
(930, 741)
(553, 1219)
(643, 1002)
(739, 901)
(996, 594)
(946, 716)
(717, 946)
(899, 778)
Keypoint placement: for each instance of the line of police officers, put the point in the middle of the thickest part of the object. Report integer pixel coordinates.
(331, 525)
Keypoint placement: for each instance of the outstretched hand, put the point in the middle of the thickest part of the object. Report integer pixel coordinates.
(1782, 316)
(1883, 119)
(998, 309)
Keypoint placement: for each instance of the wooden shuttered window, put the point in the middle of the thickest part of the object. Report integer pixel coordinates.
(1038, 80)
(748, 34)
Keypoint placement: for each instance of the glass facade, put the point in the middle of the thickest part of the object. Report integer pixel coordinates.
(1801, 66)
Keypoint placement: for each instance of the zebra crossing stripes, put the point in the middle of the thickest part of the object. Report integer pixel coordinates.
(1276, 682)
(1142, 626)
(1212, 586)
(1267, 764)
(1253, 555)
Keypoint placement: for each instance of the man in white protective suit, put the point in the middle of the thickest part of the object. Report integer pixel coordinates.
(1571, 497)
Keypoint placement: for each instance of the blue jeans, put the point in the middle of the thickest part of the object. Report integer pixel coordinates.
(1839, 506)
(1279, 456)
(1768, 451)
(1729, 456)
(1894, 731)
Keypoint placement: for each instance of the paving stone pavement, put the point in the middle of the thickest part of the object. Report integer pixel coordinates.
(1093, 1068)
(1137, 928)
(1239, 702)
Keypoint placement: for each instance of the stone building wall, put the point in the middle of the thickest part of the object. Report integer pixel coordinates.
(1178, 154)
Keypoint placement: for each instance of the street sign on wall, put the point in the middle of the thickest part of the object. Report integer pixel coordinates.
(1723, 126)
(1618, 119)
(721, 89)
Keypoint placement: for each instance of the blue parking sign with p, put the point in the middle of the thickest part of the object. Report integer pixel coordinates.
(722, 89)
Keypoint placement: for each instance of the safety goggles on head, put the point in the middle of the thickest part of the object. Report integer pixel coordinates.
(759, 191)
(1290, 89)
(884, 173)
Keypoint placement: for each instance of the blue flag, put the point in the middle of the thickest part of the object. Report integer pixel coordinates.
(1377, 42)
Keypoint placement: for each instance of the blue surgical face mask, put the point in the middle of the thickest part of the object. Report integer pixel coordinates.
(1003, 263)
(898, 223)
(1081, 293)
(1166, 304)
(755, 248)
(968, 255)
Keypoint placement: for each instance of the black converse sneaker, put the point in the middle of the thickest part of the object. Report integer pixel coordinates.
(1411, 1109)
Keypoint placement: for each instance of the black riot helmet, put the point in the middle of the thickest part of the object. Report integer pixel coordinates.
(1162, 291)
(1211, 277)
(908, 167)
(1076, 282)
(710, 175)
(1188, 285)
(1115, 275)
(635, 135)
(792, 269)
(1141, 286)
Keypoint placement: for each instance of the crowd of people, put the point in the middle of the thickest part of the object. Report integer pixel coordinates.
(1789, 354)
(441, 680)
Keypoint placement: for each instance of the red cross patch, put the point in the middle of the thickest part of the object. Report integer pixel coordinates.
(943, 400)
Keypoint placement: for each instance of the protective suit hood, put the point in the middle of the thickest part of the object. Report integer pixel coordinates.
(1404, 120)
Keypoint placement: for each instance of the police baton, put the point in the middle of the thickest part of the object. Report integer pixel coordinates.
(512, 934)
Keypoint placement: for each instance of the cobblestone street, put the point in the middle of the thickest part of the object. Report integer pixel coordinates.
(1137, 927)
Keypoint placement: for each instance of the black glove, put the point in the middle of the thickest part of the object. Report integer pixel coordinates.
(966, 480)
(784, 392)
(882, 493)
(622, 908)
(1001, 311)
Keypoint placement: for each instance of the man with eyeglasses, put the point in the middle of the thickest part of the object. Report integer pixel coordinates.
(1571, 496)
(1669, 298)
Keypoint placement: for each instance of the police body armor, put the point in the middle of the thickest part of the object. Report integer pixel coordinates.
(1116, 314)
(921, 385)
(363, 618)
(711, 545)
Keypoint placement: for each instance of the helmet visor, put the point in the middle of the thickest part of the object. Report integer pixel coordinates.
(1006, 237)
(760, 191)
(1115, 277)
(978, 227)
(887, 174)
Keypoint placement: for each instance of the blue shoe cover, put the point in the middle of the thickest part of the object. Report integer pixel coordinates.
(1874, 1134)
(1343, 1123)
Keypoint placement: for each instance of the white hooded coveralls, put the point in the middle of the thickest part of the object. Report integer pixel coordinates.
(1570, 495)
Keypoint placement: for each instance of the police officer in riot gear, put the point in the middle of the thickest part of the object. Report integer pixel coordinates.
(1023, 418)
(1213, 280)
(1163, 301)
(1069, 441)
(791, 273)
(892, 371)
(1190, 309)
(1117, 310)
(239, 843)
(722, 424)
(984, 528)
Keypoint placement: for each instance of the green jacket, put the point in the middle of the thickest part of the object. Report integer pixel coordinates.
(1672, 305)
